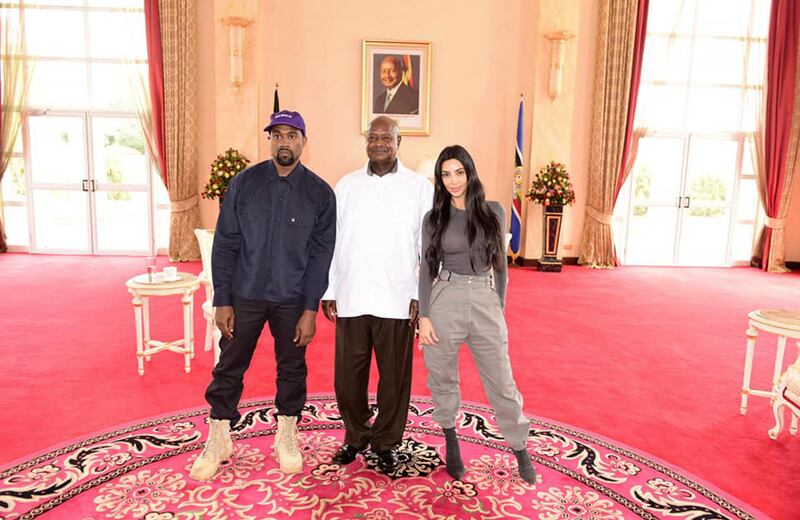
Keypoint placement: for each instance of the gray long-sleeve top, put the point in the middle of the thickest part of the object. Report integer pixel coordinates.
(455, 249)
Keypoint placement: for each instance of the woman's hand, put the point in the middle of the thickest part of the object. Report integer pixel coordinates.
(427, 335)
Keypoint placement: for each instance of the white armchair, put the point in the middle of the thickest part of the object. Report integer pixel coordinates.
(205, 238)
(787, 395)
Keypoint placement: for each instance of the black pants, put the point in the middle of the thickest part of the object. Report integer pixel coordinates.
(393, 341)
(225, 390)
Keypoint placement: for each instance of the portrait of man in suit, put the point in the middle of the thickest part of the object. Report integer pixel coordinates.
(397, 97)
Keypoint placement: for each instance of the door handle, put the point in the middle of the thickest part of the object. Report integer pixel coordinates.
(678, 204)
(94, 185)
(85, 185)
(688, 201)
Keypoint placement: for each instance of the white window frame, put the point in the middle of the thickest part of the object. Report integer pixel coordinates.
(741, 137)
(88, 113)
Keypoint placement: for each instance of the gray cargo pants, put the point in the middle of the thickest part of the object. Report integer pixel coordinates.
(466, 309)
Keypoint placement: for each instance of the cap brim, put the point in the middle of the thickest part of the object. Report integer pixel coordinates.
(270, 127)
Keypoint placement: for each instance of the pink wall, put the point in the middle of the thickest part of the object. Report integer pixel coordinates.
(483, 57)
(484, 54)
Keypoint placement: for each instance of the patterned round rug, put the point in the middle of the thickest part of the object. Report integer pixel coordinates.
(141, 471)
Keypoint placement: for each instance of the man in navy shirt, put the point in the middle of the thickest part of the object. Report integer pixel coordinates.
(272, 250)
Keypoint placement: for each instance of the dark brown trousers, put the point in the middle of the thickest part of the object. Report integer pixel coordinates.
(393, 342)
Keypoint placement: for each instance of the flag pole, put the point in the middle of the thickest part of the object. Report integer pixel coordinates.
(516, 199)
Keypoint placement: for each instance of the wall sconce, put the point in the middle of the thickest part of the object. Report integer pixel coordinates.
(557, 47)
(236, 27)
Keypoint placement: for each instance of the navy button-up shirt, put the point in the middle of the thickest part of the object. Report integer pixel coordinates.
(275, 237)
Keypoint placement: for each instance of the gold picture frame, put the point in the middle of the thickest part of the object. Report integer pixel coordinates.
(396, 81)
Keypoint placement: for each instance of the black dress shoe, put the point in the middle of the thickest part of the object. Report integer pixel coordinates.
(346, 454)
(387, 460)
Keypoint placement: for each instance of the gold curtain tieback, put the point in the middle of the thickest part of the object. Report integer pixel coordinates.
(776, 223)
(603, 218)
(180, 206)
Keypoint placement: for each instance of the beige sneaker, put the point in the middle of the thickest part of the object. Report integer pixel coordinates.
(285, 448)
(219, 448)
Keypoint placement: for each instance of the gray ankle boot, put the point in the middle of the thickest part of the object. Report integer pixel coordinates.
(526, 469)
(453, 462)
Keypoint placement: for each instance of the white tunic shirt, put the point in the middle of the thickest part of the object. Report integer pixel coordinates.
(378, 240)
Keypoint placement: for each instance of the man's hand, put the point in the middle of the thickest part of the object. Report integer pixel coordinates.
(306, 328)
(329, 309)
(413, 313)
(224, 318)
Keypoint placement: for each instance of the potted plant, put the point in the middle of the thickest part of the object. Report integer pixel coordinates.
(552, 189)
(223, 169)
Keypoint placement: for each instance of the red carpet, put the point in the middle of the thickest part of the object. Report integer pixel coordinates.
(650, 357)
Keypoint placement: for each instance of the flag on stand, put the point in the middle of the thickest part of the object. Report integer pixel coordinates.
(516, 200)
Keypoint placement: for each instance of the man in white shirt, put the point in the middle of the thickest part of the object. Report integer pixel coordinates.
(372, 293)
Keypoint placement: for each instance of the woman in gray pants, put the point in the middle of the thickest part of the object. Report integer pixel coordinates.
(462, 236)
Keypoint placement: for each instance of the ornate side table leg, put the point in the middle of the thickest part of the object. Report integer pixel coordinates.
(187, 329)
(146, 329)
(776, 373)
(191, 320)
(137, 313)
(777, 410)
(752, 334)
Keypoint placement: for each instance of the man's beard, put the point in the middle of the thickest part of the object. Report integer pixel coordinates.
(285, 159)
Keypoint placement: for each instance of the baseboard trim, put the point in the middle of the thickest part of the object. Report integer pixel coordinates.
(534, 262)
(573, 260)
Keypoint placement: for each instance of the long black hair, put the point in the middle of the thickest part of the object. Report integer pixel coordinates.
(482, 223)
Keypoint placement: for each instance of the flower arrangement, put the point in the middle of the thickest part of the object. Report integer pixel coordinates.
(551, 186)
(223, 169)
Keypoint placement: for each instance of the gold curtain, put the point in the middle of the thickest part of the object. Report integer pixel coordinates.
(179, 47)
(616, 37)
(777, 246)
(16, 81)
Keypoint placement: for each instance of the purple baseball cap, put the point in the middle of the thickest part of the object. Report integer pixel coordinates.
(288, 118)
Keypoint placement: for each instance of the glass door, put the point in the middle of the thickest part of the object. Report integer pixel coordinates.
(89, 195)
(682, 193)
(707, 204)
(120, 194)
(59, 183)
(655, 194)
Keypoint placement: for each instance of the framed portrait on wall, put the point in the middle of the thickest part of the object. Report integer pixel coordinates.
(396, 81)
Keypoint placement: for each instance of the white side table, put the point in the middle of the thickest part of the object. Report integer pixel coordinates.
(142, 290)
(782, 323)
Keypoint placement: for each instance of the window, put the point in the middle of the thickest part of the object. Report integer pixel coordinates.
(81, 179)
(691, 196)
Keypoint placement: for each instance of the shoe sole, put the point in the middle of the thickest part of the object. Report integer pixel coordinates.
(210, 477)
(286, 468)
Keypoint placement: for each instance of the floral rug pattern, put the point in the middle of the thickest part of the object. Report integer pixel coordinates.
(141, 472)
